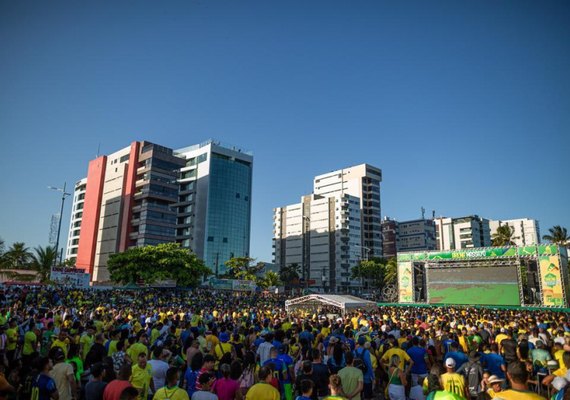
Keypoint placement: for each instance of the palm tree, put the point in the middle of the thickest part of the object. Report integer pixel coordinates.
(558, 235)
(504, 236)
(42, 261)
(290, 273)
(391, 274)
(18, 256)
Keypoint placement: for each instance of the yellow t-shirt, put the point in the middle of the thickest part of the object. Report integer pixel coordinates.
(140, 379)
(174, 393)
(12, 338)
(134, 351)
(453, 382)
(404, 357)
(262, 391)
(60, 344)
(511, 394)
(86, 341)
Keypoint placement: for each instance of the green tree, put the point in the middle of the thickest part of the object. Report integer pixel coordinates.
(154, 263)
(242, 268)
(42, 261)
(372, 270)
(558, 235)
(18, 256)
(290, 274)
(268, 280)
(391, 274)
(504, 236)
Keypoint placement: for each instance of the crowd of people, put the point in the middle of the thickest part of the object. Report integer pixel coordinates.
(74, 344)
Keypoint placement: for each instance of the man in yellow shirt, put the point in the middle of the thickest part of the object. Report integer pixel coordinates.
(138, 347)
(30, 349)
(11, 340)
(263, 390)
(171, 391)
(454, 382)
(518, 376)
(141, 377)
(86, 341)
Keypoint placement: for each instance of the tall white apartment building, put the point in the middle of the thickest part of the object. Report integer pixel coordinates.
(462, 233)
(361, 181)
(323, 236)
(76, 217)
(525, 231)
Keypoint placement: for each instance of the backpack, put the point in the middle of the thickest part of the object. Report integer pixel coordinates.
(359, 361)
(226, 356)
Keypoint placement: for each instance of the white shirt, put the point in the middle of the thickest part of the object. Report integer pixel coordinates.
(159, 369)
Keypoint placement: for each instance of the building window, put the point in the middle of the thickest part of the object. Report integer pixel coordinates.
(210, 238)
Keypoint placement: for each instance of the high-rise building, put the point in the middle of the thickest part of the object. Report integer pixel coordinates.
(361, 181)
(75, 220)
(322, 235)
(389, 237)
(525, 231)
(406, 236)
(214, 205)
(147, 194)
(462, 233)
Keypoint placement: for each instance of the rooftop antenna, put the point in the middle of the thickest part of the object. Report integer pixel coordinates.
(432, 214)
(423, 213)
(98, 149)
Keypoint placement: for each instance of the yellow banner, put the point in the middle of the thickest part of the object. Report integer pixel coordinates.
(551, 281)
(405, 283)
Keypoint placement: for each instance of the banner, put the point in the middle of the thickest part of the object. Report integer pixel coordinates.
(481, 253)
(70, 277)
(405, 282)
(221, 284)
(551, 281)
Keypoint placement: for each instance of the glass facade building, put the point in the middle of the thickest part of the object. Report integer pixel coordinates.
(214, 207)
(229, 211)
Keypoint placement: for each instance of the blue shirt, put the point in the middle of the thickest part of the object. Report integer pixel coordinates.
(493, 362)
(288, 362)
(418, 354)
(45, 386)
(459, 357)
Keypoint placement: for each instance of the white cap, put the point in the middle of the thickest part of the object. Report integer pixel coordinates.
(450, 362)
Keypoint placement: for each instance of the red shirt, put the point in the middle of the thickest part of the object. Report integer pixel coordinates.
(114, 389)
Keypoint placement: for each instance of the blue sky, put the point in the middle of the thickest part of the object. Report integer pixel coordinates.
(463, 104)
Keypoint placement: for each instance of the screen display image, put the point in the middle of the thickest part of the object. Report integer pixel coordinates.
(477, 286)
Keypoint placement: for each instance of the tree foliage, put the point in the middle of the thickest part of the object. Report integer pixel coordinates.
(42, 261)
(18, 256)
(504, 236)
(155, 263)
(290, 274)
(378, 271)
(242, 268)
(558, 235)
(268, 280)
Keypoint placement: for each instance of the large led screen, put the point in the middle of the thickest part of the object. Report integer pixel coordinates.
(481, 285)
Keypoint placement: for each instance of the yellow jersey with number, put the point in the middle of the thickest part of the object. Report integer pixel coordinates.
(454, 383)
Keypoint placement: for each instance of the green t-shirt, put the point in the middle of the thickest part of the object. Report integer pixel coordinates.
(46, 342)
(350, 376)
(443, 395)
(29, 343)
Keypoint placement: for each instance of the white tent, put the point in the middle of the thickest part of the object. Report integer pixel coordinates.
(345, 303)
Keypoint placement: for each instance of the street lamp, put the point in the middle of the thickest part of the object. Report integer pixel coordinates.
(365, 259)
(368, 250)
(63, 194)
(306, 250)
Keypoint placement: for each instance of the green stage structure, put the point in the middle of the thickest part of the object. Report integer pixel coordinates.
(498, 276)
